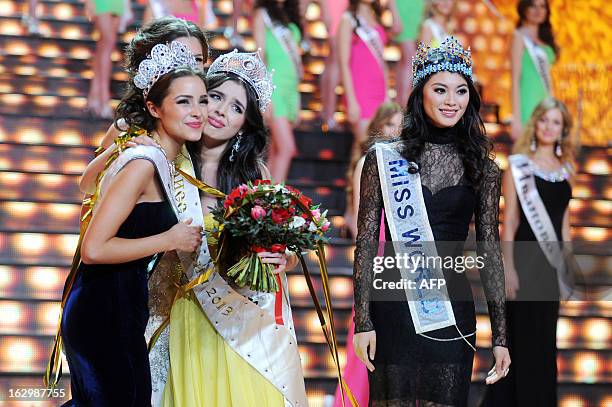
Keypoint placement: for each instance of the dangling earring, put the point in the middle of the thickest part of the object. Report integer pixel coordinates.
(235, 147)
(533, 145)
(558, 151)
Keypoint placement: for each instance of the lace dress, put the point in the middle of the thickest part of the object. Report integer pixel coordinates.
(410, 368)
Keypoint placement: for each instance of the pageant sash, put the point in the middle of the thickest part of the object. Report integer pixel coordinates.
(540, 60)
(252, 332)
(411, 234)
(285, 38)
(537, 216)
(371, 38)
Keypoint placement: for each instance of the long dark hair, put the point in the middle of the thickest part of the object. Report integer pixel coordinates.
(248, 159)
(289, 12)
(473, 146)
(545, 31)
(354, 4)
(132, 107)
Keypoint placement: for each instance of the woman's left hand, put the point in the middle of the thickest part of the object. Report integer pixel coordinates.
(502, 364)
(279, 260)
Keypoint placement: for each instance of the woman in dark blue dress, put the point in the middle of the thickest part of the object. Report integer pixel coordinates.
(106, 311)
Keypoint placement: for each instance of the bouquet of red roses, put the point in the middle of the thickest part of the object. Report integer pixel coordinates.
(268, 218)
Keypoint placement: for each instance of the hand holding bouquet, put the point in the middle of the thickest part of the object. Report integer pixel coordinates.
(270, 218)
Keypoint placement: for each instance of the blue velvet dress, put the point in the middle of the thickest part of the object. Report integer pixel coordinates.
(104, 321)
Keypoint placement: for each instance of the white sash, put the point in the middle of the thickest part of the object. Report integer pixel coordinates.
(437, 32)
(285, 38)
(537, 216)
(251, 330)
(371, 38)
(540, 60)
(411, 234)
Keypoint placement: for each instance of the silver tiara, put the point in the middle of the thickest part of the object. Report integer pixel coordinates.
(163, 59)
(250, 67)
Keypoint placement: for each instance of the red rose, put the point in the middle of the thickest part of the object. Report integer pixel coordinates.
(278, 248)
(279, 215)
(262, 182)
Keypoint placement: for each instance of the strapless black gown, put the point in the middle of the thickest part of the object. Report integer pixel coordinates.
(104, 320)
(532, 319)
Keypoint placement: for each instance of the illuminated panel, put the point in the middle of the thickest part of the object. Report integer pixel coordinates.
(21, 354)
(32, 216)
(35, 282)
(39, 187)
(37, 248)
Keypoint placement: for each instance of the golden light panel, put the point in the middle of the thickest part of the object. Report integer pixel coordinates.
(44, 278)
(572, 400)
(12, 178)
(8, 8)
(13, 315)
(8, 278)
(80, 52)
(13, 99)
(30, 243)
(63, 11)
(298, 286)
(25, 70)
(11, 28)
(49, 50)
(46, 101)
(598, 166)
(33, 164)
(587, 367)
(565, 330)
(20, 209)
(341, 288)
(68, 137)
(597, 332)
(72, 32)
(17, 48)
(18, 354)
(47, 316)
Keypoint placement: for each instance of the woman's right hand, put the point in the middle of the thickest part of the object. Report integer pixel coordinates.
(511, 281)
(141, 141)
(185, 237)
(353, 112)
(364, 344)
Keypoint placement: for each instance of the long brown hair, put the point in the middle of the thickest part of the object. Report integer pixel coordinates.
(545, 31)
(568, 144)
(376, 6)
(384, 113)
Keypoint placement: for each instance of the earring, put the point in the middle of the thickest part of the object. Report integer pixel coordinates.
(558, 151)
(533, 145)
(235, 147)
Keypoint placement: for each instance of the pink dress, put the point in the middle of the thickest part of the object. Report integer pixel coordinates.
(194, 16)
(368, 75)
(355, 373)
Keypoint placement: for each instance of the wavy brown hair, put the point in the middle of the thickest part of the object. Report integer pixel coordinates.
(545, 31)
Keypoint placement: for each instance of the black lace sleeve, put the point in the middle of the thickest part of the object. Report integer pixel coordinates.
(487, 237)
(368, 226)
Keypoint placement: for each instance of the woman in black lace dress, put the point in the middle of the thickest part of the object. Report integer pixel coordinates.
(531, 279)
(445, 136)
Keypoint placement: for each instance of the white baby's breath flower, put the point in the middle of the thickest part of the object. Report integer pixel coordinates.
(297, 222)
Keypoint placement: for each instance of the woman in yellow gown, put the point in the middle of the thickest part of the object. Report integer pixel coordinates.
(224, 346)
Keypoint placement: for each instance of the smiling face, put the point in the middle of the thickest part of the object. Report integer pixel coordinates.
(536, 12)
(444, 7)
(393, 126)
(445, 98)
(195, 47)
(182, 112)
(227, 104)
(549, 127)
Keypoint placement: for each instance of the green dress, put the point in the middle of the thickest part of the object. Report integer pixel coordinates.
(531, 88)
(286, 96)
(115, 7)
(411, 15)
